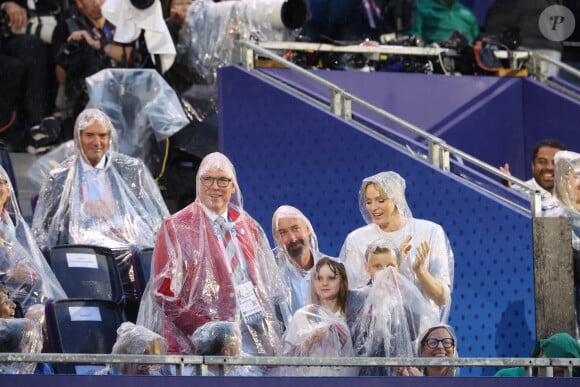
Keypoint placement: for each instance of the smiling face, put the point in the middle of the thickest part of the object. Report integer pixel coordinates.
(95, 142)
(543, 167)
(382, 210)
(434, 345)
(213, 196)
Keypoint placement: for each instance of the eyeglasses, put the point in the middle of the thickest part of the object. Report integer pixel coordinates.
(3, 182)
(207, 181)
(434, 343)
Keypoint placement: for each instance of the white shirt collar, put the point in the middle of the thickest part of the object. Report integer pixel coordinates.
(212, 215)
(100, 165)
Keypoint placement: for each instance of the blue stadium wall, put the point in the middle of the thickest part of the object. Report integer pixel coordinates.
(495, 119)
(289, 151)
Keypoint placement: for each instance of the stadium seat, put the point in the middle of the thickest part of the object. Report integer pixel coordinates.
(82, 326)
(87, 272)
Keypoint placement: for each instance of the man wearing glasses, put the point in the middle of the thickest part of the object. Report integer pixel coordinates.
(213, 262)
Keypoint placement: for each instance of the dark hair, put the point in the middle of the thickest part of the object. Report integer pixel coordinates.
(214, 337)
(337, 268)
(549, 142)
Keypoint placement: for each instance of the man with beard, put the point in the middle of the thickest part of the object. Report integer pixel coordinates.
(542, 168)
(296, 253)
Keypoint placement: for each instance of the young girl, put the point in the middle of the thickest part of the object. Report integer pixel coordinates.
(319, 329)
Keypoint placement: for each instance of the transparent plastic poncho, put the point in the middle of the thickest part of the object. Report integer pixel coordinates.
(39, 170)
(391, 320)
(212, 27)
(23, 268)
(315, 331)
(567, 189)
(19, 335)
(192, 283)
(129, 204)
(142, 106)
(440, 261)
(137, 340)
(295, 277)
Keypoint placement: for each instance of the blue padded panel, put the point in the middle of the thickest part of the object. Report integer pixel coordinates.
(495, 119)
(288, 151)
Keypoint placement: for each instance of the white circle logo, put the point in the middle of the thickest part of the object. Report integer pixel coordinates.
(557, 23)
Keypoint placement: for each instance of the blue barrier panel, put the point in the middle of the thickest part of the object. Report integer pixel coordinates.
(495, 119)
(216, 381)
(289, 151)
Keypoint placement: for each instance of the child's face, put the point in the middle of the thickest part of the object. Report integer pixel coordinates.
(7, 306)
(380, 261)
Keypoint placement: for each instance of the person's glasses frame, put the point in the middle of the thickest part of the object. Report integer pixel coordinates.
(207, 181)
(434, 343)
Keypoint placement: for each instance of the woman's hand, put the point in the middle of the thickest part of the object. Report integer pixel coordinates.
(421, 257)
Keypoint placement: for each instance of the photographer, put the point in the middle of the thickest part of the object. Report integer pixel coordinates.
(27, 95)
(83, 45)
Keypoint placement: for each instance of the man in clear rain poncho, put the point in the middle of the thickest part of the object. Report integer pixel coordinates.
(383, 206)
(296, 252)
(23, 268)
(98, 196)
(213, 262)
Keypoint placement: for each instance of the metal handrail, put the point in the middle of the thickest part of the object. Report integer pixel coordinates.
(341, 105)
(201, 362)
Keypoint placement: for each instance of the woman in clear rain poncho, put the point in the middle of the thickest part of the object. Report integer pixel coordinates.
(319, 329)
(567, 191)
(19, 335)
(98, 196)
(395, 312)
(23, 268)
(383, 206)
(437, 341)
(213, 262)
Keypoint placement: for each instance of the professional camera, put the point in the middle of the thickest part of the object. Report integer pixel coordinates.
(5, 32)
(41, 26)
(78, 59)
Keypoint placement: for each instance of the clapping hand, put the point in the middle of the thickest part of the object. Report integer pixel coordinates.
(422, 254)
